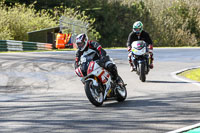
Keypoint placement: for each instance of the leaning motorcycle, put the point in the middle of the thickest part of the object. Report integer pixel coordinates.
(97, 81)
(141, 58)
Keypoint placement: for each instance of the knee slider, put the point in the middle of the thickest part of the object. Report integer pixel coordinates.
(112, 68)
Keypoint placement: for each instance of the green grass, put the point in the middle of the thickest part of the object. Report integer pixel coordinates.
(196, 130)
(66, 49)
(193, 74)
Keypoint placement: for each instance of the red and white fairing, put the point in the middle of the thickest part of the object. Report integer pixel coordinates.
(101, 74)
(79, 72)
(98, 71)
(94, 70)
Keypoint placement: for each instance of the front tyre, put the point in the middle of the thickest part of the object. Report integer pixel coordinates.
(121, 92)
(142, 72)
(94, 95)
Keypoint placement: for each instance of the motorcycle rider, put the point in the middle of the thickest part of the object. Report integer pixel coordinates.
(83, 44)
(139, 34)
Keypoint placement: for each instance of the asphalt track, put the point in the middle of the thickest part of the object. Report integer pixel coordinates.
(39, 92)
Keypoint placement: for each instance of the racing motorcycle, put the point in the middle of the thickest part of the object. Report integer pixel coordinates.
(97, 81)
(141, 58)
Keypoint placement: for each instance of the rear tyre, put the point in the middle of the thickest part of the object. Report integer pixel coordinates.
(93, 94)
(121, 92)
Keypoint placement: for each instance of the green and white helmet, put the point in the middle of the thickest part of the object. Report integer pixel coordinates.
(138, 27)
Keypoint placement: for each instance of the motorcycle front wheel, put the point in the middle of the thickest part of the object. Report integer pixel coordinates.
(142, 72)
(94, 95)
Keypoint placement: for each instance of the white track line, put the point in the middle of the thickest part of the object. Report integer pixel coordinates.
(185, 128)
(174, 75)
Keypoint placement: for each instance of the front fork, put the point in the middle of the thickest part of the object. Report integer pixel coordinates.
(98, 87)
(146, 62)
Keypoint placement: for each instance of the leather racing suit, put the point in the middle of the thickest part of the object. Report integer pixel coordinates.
(143, 36)
(102, 55)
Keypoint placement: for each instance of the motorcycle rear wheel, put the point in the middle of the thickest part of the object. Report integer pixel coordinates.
(94, 95)
(121, 92)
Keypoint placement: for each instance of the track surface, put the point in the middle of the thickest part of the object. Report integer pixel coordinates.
(39, 92)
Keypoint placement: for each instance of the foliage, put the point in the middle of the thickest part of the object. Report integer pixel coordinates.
(179, 30)
(114, 21)
(169, 22)
(79, 19)
(19, 19)
(177, 22)
(108, 20)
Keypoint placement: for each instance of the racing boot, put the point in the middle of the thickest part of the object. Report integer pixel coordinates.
(131, 63)
(151, 61)
(132, 66)
(151, 66)
(113, 72)
(151, 56)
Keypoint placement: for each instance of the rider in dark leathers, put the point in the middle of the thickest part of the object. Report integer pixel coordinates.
(139, 34)
(83, 44)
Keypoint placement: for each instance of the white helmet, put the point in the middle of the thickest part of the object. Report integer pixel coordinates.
(138, 27)
(81, 41)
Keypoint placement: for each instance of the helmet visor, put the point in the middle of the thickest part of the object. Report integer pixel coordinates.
(137, 29)
(80, 45)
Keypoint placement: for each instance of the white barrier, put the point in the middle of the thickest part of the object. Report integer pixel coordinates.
(12, 45)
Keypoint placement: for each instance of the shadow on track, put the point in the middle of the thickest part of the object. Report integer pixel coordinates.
(72, 113)
(157, 81)
(135, 103)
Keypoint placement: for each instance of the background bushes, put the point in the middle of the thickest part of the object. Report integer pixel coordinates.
(170, 23)
(18, 19)
(177, 22)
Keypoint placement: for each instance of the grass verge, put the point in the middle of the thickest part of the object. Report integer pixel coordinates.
(193, 74)
(66, 49)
